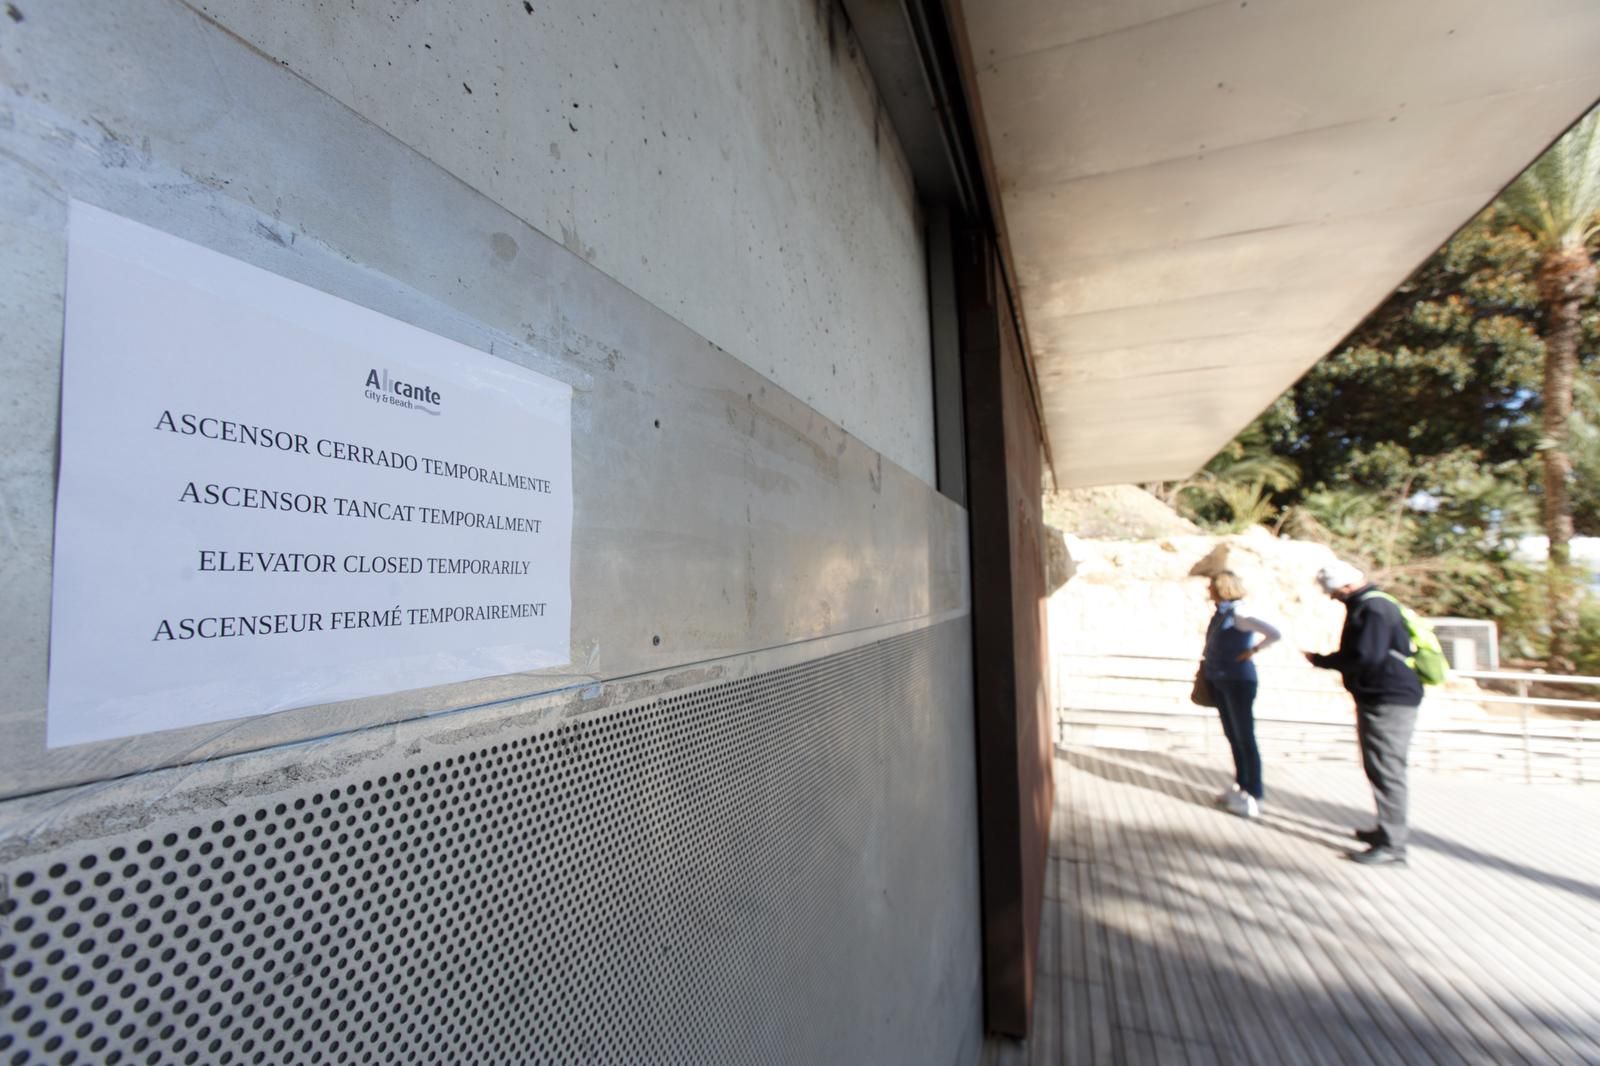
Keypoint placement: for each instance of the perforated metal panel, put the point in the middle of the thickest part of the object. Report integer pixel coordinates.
(729, 875)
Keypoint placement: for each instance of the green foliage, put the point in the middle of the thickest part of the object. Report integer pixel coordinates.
(1248, 504)
(1586, 649)
(1583, 445)
(1438, 530)
(1557, 199)
(1236, 489)
(1452, 360)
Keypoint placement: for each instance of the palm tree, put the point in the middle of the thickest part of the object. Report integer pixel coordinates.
(1234, 490)
(1557, 201)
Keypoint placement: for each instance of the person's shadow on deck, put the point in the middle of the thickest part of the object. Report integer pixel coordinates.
(1173, 777)
(1316, 821)
(1164, 942)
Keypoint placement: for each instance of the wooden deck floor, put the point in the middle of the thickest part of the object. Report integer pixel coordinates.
(1176, 933)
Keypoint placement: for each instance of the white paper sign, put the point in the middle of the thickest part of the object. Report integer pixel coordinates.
(273, 498)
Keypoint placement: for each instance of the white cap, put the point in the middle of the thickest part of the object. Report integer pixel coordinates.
(1337, 575)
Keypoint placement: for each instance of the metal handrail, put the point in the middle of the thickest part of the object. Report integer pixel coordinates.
(1522, 679)
(1476, 675)
(1579, 737)
(1507, 727)
(1444, 697)
(1530, 675)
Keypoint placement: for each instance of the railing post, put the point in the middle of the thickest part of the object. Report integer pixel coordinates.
(1055, 697)
(1527, 753)
(1527, 749)
(1577, 748)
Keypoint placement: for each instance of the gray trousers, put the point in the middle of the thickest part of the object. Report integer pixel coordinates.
(1384, 730)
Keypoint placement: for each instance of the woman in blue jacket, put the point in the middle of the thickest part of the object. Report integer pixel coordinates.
(1231, 645)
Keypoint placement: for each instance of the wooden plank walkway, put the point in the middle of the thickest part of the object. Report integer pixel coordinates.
(1175, 933)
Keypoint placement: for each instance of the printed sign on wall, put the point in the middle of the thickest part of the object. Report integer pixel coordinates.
(272, 498)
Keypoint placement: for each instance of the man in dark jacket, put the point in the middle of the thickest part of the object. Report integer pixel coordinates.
(1372, 660)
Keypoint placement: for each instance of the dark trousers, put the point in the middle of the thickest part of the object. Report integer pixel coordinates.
(1236, 702)
(1384, 730)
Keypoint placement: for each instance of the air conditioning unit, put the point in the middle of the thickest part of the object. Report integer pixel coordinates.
(1469, 643)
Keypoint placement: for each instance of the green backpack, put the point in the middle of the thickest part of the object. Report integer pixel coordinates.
(1427, 657)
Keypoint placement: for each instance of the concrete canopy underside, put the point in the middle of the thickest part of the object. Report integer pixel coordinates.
(1200, 199)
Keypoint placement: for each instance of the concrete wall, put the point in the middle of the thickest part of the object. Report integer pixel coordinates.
(729, 162)
(716, 513)
(739, 560)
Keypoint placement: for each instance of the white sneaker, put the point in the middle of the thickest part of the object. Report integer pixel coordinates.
(1244, 805)
(1226, 799)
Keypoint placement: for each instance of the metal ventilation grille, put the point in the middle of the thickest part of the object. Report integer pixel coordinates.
(656, 884)
(1469, 644)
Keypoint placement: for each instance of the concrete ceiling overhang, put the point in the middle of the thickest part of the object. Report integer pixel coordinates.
(1200, 199)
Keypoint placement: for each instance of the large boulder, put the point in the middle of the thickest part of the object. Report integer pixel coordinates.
(1150, 597)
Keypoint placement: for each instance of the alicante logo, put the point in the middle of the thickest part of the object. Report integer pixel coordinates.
(382, 388)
